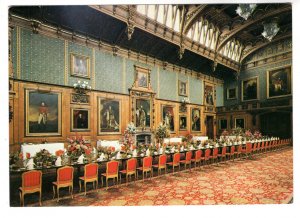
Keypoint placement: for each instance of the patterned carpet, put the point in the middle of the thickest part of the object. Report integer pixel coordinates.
(267, 179)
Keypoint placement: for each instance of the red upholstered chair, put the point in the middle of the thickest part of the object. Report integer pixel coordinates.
(207, 156)
(64, 179)
(223, 154)
(112, 171)
(188, 159)
(248, 150)
(162, 163)
(31, 183)
(230, 154)
(130, 170)
(197, 159)
(175, 162)
(215, 154)
(238, 152)
(90, 175)
(147, 167)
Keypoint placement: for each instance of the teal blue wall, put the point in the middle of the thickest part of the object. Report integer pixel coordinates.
(43, 60)
(219, 95)
(260, 72)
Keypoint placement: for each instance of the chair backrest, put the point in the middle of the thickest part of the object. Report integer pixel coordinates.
(224, 151)
(188, 156)
(198, 154)
(248, 147)
(32, 178)
(215, 152)
(259, 145)
(112, 167)
(254, 146)
(262, 145)
(131, 165)
(240, 148)
(162, 160)
(65, 174)
(176, 158)
(91, 170)
(207, 152)
(267, 144)
(147, 162)
(232, 149)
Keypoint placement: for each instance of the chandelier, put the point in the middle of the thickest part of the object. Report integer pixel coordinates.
(245, 10)
(270, 30)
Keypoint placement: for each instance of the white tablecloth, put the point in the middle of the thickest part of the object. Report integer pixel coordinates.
(172, 140)
(105, 143)
(34, 148)
(200, 138)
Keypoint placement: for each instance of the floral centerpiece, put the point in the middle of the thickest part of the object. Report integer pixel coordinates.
(77, 147)
(237, 131)
(43, 158)
(108, 151)
(161, 132)
(257, 134)
(248, 135)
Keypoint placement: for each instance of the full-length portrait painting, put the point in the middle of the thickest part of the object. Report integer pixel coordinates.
(80, 119)
(142, 113)
(209, 95)
(279, 82)
(168, 117)
(109, 116)
(250, 89)
(195, 120)
(43, 113)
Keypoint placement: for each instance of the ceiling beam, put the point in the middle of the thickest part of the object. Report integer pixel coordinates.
(192, 17)
(234, 32)
(255, 48)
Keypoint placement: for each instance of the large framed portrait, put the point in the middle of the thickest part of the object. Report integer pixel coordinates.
(195, 120)
(80, 119)
(182, 122)
(168, 116)
(250, 89)
(279, 82)
(232, 93)
(109, 116)
(80, 65)
(142, 113)
(209, 94)
(239, 122)
(223, 124)
(42, 113)
(182, 88)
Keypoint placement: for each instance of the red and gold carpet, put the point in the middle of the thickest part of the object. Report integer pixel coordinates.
(267, 179)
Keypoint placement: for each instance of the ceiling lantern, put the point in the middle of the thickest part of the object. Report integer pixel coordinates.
(245, 10)
(270, 30)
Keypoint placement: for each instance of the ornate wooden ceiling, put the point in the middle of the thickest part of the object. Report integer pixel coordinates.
(210, 38)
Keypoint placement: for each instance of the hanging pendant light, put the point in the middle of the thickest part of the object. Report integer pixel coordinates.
(245, 10)
(270, 30)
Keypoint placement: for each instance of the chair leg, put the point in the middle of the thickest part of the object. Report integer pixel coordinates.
(106, 182)
(72, 191)
(84, 188)
(57, 189)
(40, 198)
(53, 192)
(79, 185)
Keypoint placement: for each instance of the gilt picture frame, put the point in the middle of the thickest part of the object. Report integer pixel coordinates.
(79, 65)
(279, 82)
(42, 113)
(80, 119)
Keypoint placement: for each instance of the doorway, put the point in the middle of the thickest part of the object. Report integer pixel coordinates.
(210, 127)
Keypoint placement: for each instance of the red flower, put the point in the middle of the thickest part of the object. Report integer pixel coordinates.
(88, 151)
(27, 155)
(113, 149)
(122, 148)
(21, 155)
(58, 153)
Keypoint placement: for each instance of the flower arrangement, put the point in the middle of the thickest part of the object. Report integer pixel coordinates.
(59, 153)
(81, 87)
(248, 135)
(185, 100)
(188, 138)
(257, 134)
(237, 131)
(43, 157)
(77, 146)
(131, 129)
(162, 132)
(110, 151)
(225, 133)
